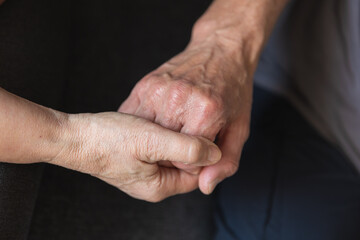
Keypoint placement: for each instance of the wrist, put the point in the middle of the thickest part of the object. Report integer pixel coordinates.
(238, 43)
(68, 142)
(239, 27)
(79, 147)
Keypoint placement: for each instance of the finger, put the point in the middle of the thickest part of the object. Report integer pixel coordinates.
(207, 129)
(163, 144)
(146, 113)
(188, 129)
(130, 105)
(187, 168)
(231, 142)
(170, 123)
(170, 113)
(133, 107)
(174, 181)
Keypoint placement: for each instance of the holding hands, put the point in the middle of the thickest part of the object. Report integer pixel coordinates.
(203, 91)
(206, 90)
(117, 148)
(165, 146)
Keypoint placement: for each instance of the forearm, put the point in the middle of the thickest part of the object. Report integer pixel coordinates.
(240, 27)
(29, 132)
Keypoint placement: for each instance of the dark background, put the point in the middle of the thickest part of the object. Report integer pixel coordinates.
(85, 56)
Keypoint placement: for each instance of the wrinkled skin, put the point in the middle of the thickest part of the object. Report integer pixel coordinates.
(203, 91)
(124, 151)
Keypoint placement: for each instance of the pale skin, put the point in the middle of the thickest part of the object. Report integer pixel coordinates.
(176, 112)
(206, 90)
(119, 149)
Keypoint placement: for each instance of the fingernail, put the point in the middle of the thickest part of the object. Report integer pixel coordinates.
(213, 185)
(214, 154)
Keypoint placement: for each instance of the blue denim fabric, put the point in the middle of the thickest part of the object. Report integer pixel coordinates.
(291, 184)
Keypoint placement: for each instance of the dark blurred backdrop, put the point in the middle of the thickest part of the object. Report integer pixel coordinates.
(85, 56)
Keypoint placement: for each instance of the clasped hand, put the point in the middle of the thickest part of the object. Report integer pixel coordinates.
(203, 91)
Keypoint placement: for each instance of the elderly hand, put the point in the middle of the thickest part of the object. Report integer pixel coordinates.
(203, 91)
(207, 89)
(124, 151)
(120, 149)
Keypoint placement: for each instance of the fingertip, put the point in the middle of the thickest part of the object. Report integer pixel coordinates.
(212, 185)
(209, 187)
(206, 181)
(204, 190)
(176, 181)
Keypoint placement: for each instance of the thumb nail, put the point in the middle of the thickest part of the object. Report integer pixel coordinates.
(214, 154)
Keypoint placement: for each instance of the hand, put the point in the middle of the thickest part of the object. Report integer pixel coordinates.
(207, 89)
(124, 151)
(204, 91)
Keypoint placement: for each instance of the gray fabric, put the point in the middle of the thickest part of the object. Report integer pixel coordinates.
(298, 187)
(313, 57)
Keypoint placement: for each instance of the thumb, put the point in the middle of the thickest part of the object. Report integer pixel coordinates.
(163, 144)
(231, 142)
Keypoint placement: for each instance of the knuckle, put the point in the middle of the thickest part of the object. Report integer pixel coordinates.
(210, 105)
(153, 91)
(157, 86)
(179, 92)
(150, 84)
(142, 86)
